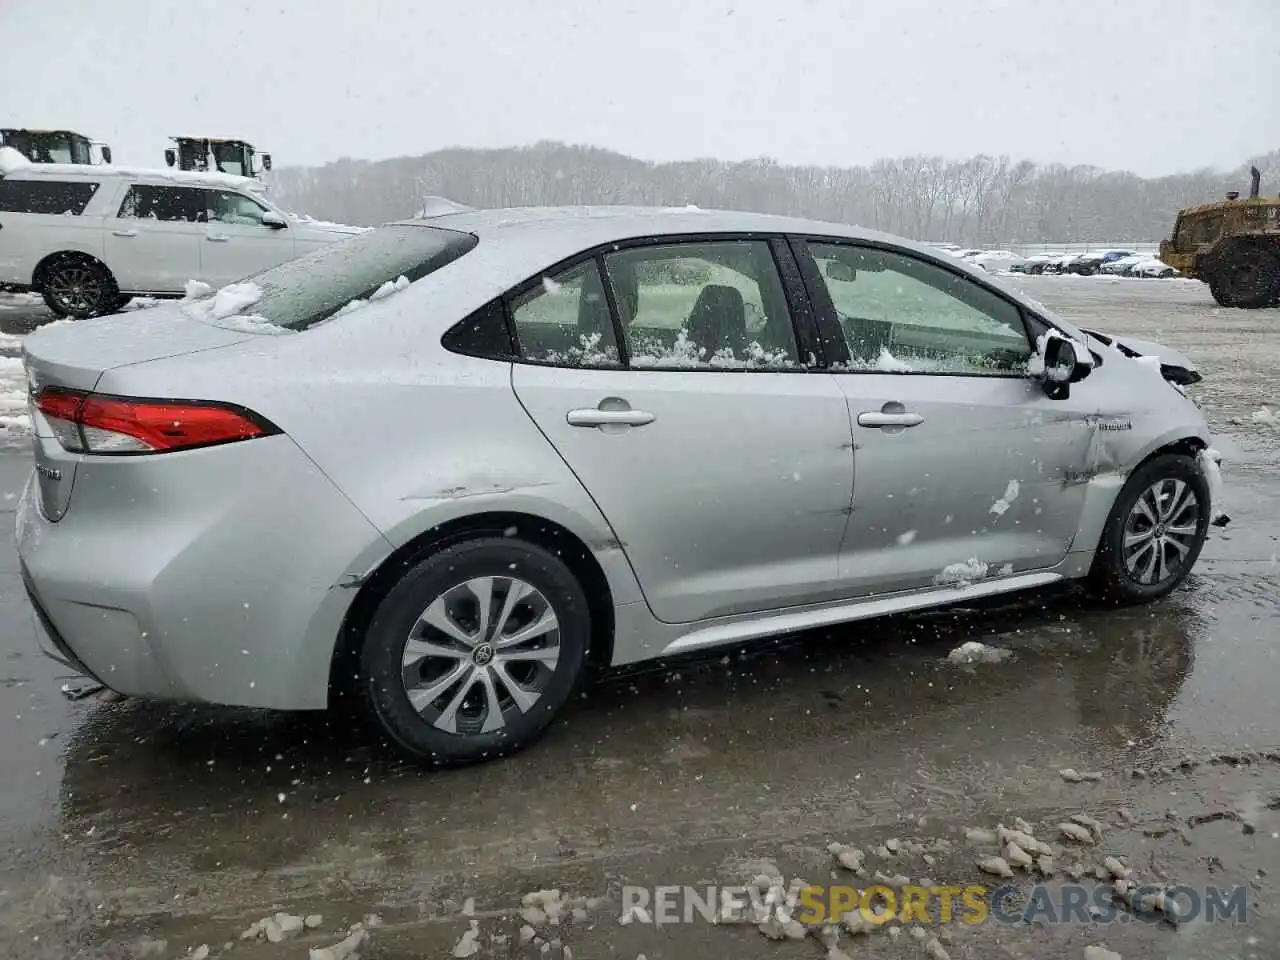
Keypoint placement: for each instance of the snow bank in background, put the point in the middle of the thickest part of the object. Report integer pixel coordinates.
(11, 161)
(14, 422)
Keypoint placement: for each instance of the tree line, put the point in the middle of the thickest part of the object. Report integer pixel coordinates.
(981, 201)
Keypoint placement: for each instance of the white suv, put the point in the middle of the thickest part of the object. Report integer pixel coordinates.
(91, 238)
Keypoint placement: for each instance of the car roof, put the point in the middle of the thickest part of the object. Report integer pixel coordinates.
(80, 171)
(583, 227)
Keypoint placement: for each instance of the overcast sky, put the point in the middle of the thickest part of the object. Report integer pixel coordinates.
(1152, 86)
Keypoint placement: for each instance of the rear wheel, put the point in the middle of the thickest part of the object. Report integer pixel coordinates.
(79, 287)
(1155, 532)
(473, 653)
(1248, 278)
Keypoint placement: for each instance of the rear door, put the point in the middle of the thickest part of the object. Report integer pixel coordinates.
(675, 393)
(40, 216)
(961, 461)
(152, 243)
(236, 244)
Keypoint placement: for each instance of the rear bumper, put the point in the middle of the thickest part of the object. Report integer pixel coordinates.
(215, 575)
(48, 639)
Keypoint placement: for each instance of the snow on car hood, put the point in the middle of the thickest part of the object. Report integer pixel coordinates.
(1168, 356)
(327, 226)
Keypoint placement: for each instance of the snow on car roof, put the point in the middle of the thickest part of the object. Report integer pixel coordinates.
(63, 171)
(588, 226)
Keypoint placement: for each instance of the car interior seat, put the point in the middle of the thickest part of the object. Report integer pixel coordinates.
(719, 320)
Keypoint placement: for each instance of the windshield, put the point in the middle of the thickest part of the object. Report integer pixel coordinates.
(300, 293)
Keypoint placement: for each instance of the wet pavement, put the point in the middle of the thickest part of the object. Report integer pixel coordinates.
(126, 824)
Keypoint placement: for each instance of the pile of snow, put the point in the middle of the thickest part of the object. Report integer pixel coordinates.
(14, 420)
(384, 291)
(961, 574)
(1266, 416)
(226, 307)
(11, 161)
(975, 652)
(1209, 459)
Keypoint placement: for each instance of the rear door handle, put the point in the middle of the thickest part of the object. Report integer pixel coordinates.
(878, 419)
(593, 417)
(124, 233)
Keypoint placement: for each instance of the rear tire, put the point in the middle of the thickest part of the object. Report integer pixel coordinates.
(450, 683)
(79, 287)
(1156, 530)
(1248, 278)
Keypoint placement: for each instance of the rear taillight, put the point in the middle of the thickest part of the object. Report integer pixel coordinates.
(107, 425)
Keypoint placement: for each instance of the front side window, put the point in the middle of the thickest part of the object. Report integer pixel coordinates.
(46, 196)
(175, 204)
(901, 314)
(704, 304)
(226, 206)
(565, 320)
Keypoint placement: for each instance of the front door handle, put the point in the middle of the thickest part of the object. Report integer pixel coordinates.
(879, 419)
(218, 238)
(594, 417)
(124, 233)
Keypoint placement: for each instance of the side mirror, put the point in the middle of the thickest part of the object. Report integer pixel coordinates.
(838, 270)
(1065, 362)
(274, 220)
(106, 154)
(171, 157)
(266, 162)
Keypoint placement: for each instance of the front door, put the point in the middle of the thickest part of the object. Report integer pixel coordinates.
(152, 244)
(722, 465)
(961, 461)
(236, 243)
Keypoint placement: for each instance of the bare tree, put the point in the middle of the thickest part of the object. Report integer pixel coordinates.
(982, 200)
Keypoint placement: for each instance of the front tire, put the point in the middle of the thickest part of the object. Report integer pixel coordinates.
(474, 652)
(78, 287)
(1156, 530)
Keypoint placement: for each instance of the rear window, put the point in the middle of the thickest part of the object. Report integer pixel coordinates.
(46, 196)
(302, 292)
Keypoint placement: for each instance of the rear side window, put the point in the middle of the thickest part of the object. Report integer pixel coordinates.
(46, 196)
(301, 292)
(147, 202)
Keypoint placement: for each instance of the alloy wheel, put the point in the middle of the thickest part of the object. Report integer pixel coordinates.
(1160, 531)
(481, 652)
(76, 287)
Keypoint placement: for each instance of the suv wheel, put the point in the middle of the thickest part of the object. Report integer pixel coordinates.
(79, 287)
(1155, 532)
(474, 652)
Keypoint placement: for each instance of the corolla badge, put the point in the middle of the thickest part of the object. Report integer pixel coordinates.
(51, 473)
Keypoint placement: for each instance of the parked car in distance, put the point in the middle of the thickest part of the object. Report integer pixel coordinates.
(1120, 265)
(1034, 264)
(1087, 264)
(271, 496)
(1152, 267)
(90, 238)
(995, 261)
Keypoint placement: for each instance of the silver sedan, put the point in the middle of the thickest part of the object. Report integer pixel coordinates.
(441, 469)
